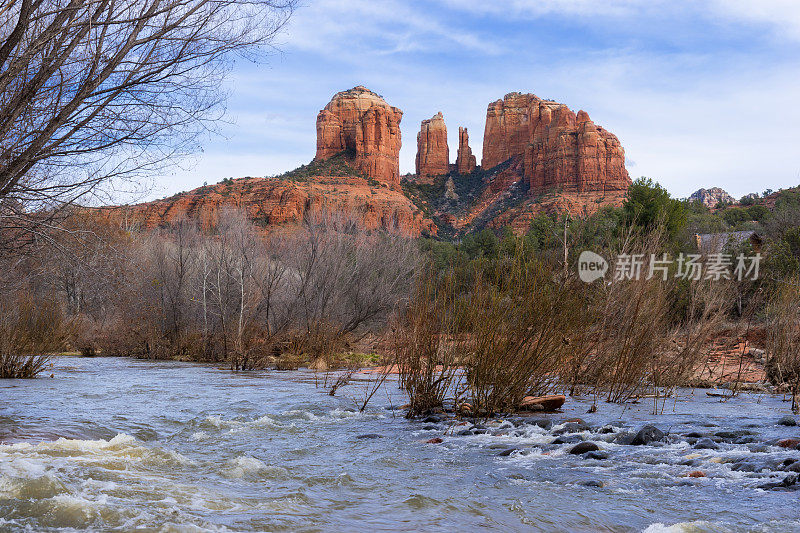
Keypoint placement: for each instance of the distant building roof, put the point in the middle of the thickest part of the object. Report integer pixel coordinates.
(716, 242)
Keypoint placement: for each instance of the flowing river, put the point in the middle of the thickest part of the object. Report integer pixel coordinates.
(124, 445)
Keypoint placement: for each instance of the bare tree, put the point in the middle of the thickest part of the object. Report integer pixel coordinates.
(93, 91)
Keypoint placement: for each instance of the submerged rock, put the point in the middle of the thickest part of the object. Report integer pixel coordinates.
(706, 444)
(647, 435)
(370, 436)
(788, 483)
(568, 439)
(507, 452)
(584, 447)
(599, 456)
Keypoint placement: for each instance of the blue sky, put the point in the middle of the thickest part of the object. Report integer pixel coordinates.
(701, 93)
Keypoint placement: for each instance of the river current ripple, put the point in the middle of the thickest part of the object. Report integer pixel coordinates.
(124, 445)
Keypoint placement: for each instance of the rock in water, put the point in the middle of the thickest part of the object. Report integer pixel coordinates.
(706, 444)
(547, 403)
(360, 122)
(787, 421)
(646, 435)
(370, 436)
(433, 154)
(465, 161)
(584, 447)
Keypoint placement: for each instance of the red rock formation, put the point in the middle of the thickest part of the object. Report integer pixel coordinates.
(361, 122)
(272, 202)
(465, 162)
(433, 154)
(560, 149)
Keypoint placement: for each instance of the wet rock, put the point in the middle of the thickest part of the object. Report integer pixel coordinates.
(688, 462)
(706, 444)
(605, 430)
(572, 427)
(599, 456)
(544, 423)
(747, 439)
(435, 440)
(787, 421)
(647, 435)
(507, 452)
(584, 447)
(748, 465)
(430, 428)
(696, 473)
(794, 467)
(694, 435)
(788, 443)
(432, 419)
(568, 439)
(729, 435)
(370, 436)
(464, 433)
(593, 483)
(544, 403)
(479, 431)
(625, 438)
(788, 483)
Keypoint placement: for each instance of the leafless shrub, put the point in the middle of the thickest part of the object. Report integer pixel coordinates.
(522, 324)
(783, 340)
(427, 363)
(30, 329)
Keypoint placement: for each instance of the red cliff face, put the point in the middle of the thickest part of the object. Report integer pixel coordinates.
(362, 123)
(559, 148)
(273, 203)
(433, 154)
(465, 162)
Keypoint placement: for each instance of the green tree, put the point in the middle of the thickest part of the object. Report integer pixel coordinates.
(649, 205)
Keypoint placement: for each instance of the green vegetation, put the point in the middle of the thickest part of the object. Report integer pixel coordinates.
(339, 165)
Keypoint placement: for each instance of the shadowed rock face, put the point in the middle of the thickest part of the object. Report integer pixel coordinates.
(465, 162)
(433, 154)
(559, 148)
(360, 122)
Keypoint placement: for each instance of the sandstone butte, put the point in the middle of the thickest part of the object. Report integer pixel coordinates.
(559, 149)
(273, 202)
(433, 154)
(554, 161)
(360, 123)
(465, 161)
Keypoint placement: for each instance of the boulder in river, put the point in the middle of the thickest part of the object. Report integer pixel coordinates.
(584, 447)
(647, 434)
(542, 403)
(788, 443)
(788, 483)
(787, 421)
(435, 440)
(696, 473)
(706, 444)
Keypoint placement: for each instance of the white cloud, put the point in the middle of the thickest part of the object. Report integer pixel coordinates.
(347, 29)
